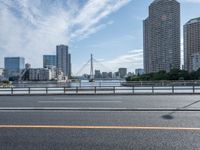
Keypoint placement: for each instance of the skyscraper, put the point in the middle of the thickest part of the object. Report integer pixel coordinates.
(49, 60)
(13, 66)
(162, 36)
(63, 59)
(192, 45)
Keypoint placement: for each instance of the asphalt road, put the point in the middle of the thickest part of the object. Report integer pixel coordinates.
(22, 128)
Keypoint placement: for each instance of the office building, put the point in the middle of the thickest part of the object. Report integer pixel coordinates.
(63, 59)
(122, 72)
(49, 60)
(192, 44)
(13, 66)
(162, 36)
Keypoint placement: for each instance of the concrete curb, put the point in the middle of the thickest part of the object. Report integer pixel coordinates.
(96, 109)
(106, 94)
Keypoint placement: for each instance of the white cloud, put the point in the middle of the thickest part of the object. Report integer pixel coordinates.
(190, 1)
(33, 28)
(131, 60)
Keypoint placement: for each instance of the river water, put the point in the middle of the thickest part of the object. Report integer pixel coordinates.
(82, 83)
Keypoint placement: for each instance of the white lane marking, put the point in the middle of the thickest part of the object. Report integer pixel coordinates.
(79, 101)
(114, 108)
(69, 111)
(73, 98)
(58, 108)
(102, 127)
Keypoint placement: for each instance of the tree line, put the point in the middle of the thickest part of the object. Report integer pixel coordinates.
(174, 74)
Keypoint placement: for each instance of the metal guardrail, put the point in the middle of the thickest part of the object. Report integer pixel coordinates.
(108, 83)
(101, 90)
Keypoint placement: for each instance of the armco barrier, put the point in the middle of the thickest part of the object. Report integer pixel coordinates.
(101, 90)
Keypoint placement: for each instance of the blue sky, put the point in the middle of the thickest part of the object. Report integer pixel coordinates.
(110, 29)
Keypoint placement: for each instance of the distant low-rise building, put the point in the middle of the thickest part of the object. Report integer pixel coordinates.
(110, 75)
(54, 72)
(97, 74)
(104, 75)
(40, 74)
(122, 72)
(116, 75)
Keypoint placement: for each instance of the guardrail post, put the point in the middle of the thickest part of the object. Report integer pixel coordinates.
(76, 90)
(64, 90)
(152, 89)
(12, 91)
(133, 89)
(113, 89)
(29, 90)
(193, 89)
(46, 90)
(95, 89)
(172, 89)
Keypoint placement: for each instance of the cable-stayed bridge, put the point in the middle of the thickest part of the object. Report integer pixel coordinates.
(91, 65)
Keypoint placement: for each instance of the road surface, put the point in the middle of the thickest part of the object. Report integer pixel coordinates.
(100, 122)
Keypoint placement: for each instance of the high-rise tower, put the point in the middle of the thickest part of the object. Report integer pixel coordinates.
(192, 45)
(162, 36)
(63, 60)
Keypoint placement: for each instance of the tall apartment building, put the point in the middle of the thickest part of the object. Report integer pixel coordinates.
(192, 45)
(13, 66)
(162, 36)
(49, 60)
(63, 59)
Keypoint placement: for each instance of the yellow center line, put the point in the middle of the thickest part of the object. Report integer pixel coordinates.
(99, 127)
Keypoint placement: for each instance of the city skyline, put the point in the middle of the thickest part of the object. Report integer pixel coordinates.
(117, 49)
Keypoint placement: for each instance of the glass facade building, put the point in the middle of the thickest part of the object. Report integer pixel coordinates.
(49, 60)
(13, 66)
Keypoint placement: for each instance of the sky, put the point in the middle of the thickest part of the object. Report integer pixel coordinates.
(112, 30)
